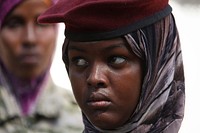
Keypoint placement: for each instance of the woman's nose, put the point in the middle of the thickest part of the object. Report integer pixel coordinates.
(97, 77)
(30, 34)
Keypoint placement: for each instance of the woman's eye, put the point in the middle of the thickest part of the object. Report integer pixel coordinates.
(14, 23)
(80, 62)
(117, 60)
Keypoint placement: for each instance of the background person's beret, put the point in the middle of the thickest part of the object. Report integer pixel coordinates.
(88, 20)
(6, 6)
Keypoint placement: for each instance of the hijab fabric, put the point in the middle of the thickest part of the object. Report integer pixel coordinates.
(161, 105)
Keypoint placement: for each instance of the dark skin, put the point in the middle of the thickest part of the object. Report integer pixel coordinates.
(106, 78)
(26, 47)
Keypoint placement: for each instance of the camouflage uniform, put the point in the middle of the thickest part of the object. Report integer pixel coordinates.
(55, 112)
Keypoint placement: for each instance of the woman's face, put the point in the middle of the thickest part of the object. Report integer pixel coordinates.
(26, 47)
(106, 78)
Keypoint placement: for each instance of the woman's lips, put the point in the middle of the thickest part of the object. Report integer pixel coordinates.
(98, 101)
(99, 104)
(29, 58)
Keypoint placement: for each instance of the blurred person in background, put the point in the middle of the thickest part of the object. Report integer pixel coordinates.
(29, 100)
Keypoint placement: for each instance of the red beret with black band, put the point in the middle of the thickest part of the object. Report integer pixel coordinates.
(92, 20)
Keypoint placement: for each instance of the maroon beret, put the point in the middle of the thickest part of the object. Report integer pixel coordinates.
(88, 20)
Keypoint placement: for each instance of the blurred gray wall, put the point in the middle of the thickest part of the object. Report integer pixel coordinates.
(188, 2)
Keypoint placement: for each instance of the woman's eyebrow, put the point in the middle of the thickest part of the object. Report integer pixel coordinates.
(120, 45)
(71, 47)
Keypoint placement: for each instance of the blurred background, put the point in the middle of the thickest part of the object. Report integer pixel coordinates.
(187, 15)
